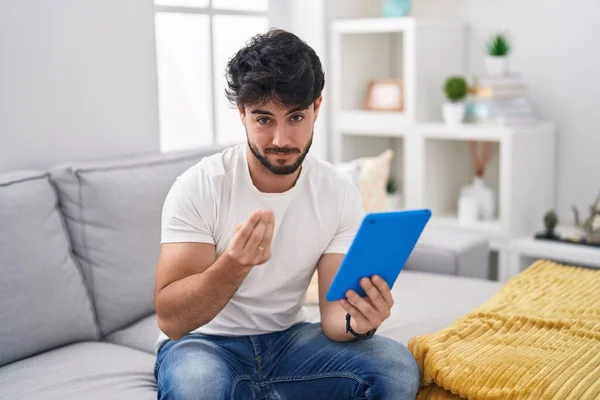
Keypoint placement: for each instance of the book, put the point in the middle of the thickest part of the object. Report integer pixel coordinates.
(516, 110)
(490, 92)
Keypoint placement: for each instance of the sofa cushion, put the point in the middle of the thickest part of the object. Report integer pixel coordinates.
(43, 299)
(81, 371)
(113, 211)
(449, 252)
(141, 335)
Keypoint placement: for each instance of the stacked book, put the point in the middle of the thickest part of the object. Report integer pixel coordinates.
(500, 100)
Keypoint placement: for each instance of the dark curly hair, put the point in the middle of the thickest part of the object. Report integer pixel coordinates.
(275, 66)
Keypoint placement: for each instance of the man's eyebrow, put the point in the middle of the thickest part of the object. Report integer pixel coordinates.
(265, 112)
(293, 110)
(258, 111)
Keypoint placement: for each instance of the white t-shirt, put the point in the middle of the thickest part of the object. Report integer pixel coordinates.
(320, 214)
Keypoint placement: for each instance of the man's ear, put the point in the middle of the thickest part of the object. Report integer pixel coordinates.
(317, 104)
(242, 112)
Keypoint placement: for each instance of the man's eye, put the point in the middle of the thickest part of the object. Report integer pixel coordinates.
(297, 118)
(263, 120)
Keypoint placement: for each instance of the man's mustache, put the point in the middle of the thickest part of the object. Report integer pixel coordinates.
(282, 150)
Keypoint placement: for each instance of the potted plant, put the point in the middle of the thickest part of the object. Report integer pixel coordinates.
(496, 60)
(394, 198)
(454, 109)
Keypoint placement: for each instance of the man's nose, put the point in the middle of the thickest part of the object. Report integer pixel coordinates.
(281, 137)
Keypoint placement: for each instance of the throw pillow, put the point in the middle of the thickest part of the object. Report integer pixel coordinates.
(374, 175)
(371, 175)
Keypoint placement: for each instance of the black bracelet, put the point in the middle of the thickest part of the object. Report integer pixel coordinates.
(365, 336)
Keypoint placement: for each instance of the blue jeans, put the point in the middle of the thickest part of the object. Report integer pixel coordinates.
(299, 363)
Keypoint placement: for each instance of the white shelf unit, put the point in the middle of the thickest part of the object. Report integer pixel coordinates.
(431, 158)
(389, 48)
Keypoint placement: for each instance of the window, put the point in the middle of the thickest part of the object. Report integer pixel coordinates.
(194, 41)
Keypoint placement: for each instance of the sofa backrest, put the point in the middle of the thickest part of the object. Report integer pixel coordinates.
(43, 300)
(113, 210)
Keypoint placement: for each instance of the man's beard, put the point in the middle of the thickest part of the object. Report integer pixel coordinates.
(280, 169)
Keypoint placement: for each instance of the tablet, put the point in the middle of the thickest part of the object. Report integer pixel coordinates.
(381, 247)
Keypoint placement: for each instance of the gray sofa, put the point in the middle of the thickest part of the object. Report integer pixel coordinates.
(78, 246)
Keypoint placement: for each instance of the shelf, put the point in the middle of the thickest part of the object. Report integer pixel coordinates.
(387, 25)
(371, 123)
(492, 132)
(475, 131)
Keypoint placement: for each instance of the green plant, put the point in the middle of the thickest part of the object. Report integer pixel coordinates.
(392, 186)
(498, 45)
(456, 88)
(550, 220)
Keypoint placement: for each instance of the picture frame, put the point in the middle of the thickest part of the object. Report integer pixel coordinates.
(385, 95)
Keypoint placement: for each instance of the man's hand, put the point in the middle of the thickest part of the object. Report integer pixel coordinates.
(369, 312)
(251, 242)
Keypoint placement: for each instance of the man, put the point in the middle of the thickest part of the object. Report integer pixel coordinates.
(242, 234)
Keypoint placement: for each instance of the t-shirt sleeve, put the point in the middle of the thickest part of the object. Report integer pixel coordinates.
(351, 216)
(187, 214)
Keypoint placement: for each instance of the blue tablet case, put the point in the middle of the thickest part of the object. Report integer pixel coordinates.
(381, 247)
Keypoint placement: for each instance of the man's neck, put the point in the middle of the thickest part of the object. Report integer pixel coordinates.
(266, 181)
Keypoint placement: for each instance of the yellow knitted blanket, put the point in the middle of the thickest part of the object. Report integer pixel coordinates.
(537, 338)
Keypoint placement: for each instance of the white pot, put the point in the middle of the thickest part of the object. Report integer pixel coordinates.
(454, 113)
(496, 65)
(394, 201)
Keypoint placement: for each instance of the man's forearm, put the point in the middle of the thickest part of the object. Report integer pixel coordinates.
(189, 303)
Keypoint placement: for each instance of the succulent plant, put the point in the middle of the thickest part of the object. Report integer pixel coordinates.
(550, 221)
(456, 88)
(498, 45)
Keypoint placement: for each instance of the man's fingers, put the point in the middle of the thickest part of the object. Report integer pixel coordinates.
(364, 307)
(384, 289)
(355, 313)
(246, 245)
(256, 236)
(375, 296)
(247, 228)
(268, 237)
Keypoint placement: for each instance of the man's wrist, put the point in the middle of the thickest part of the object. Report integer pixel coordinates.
(359, 335)
(353, 326)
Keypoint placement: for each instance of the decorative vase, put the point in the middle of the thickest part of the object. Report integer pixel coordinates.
(496, 65)
(484, 197)
(468, 210)
(454, 112)
(396, 8)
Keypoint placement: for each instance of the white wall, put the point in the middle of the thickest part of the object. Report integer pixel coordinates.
(557, 55)
(77, 81)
